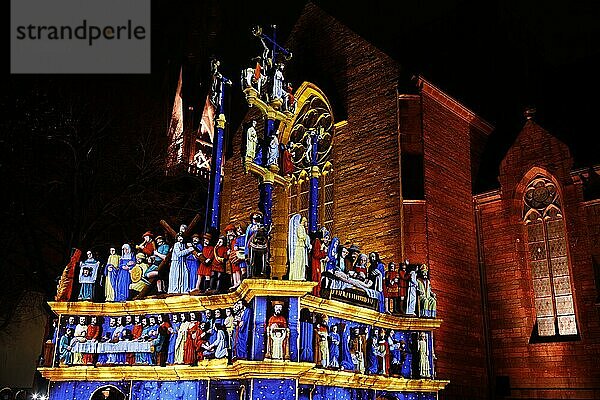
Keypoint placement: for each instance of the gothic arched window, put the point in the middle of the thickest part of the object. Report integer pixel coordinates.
(548, 259)
(313, 124)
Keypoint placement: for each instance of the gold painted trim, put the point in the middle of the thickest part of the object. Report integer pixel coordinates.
(327, 377)
(340, 124)
(366, 316)
(304, 92)
(182, 303)
(307, 373)
(266, 175)
(270, 112)
(221, 121)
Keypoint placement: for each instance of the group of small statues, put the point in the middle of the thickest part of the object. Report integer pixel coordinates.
(370, 350)
(189, 337)
(397, 290)
(166, 339)
(265, 77)
(277, 157)
(205, 266)
(199, 265)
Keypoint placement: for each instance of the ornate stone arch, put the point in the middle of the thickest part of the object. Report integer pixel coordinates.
(313, 111)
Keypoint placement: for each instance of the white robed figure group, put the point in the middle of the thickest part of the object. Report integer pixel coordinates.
(298, 247)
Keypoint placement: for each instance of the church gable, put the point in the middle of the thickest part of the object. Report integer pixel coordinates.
(534, 147)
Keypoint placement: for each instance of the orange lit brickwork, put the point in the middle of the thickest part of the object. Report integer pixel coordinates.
(441, 229)
(539, 370)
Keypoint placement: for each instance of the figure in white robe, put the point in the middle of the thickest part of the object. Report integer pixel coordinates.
(298, 247)
(178, 274)
(273, 153)
(278, 92)
(181, 339)
(411, 293)
(112, 266)
(251, 142)
(424, 368)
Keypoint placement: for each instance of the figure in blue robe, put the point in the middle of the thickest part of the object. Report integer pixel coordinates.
(175, 329)
(88, 272)
(192, 262)
(64, 347)
(332, 253)
(123, 280)
(346, 362)
(334, 347)
(241, 330)
(373, 352)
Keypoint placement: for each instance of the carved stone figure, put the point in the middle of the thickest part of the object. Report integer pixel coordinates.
(206, 260)
(391, 287)
(427, 299)
(322, 336)
(423, 349)
(277, 334)
(178, 274)
(241, 330)
(273, 153)
(411, 293)
(88, 272)
(258, 259)
(298, 246)
(334, 347)
(126, 262)
(110, 273)
(251, 142)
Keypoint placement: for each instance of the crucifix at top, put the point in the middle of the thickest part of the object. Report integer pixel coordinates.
(265, 87)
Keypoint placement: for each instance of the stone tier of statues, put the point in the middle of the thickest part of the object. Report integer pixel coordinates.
(207, 264)
(190, 337)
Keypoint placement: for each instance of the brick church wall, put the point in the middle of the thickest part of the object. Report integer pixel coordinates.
(540, 370)
(360, 82)
(452, 250)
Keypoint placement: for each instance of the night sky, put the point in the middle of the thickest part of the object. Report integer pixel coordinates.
(496, 57)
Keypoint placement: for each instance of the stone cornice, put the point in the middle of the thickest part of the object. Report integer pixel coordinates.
(366, 316)
(429, 89)
(306, 373)
(181, 303)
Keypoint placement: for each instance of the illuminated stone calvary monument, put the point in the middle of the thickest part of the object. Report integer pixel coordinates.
(306, 316)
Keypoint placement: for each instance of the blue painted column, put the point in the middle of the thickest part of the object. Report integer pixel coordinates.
(294, 325)
(259, 331)
(266, 185)
(313, 205)
(216, 178)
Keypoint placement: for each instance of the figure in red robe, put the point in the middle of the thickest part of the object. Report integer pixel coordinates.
(136, 333)
(94, 332)
(218, 265)
(147, 246)
(391, 287)
(317, 254)
(403, 278)
(194, 331)
(204, 269)
(278, 334)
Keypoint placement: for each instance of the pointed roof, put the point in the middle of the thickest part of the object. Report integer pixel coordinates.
(535, 147)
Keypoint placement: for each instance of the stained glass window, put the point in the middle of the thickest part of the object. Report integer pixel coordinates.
(548, 259)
